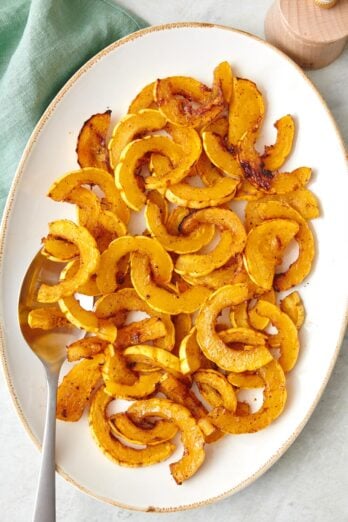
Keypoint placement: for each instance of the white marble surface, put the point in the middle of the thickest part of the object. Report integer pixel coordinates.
(310, 482)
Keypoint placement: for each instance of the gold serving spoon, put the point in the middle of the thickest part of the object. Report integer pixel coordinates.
(50, 348)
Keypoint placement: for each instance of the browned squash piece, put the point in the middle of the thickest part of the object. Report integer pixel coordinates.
(91, 143)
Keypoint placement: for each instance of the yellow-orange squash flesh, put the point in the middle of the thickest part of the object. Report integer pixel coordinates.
(130, 127)
(287, 336)
(265, 248)
(191, 435)
(245, 380)
(61, 188)
(221, 156)
(146, 384)
(213, 346)
(274, 401)
(47, 318)
(232, 242)
(182, 244)
(189, 353)
(275, 155)
(159, 298)
(302, 200)
(111, 305)
(222, 191)
(154, 356)
(91, 143)
(246, 110)
(191, 147)
(86, 348)
(130, 161)
(160, 260)
(161, 431)
(143, 100)
(174, 96)
(76, 388)
(258, 212)
(292, 305)
(89, 258)
(113, 448)
(224, 77)
(218, 382)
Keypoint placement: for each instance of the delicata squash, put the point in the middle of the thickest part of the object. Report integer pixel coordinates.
(112, 447)
(232, 241)
(187, 308)
(89, 258)
(213, 347)
(191, 435)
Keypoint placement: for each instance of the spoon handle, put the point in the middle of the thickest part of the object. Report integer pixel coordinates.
(45, 504)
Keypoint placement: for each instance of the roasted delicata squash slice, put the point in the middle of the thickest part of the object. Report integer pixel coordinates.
(89, 258)
(180, 393)
(61, 188)
(86, 319)
(143, 100)
(144, 434)
(112, 447)
(182, 244)
(292, 305)
(47, 318)
(131, 127)
(146, 384)
(265, 248)
(191, 435)
(255, 320)
(302, 200)
(245, 380)
(239, 316)
(190, 354)
(91, 143)
(243, 335)
(133, 157)
(59, 250)
(258, 212)
(160, 260)
(76, 388)
(223, 76)
(246, 110)
(275, 155)
(287, 336)
(111, 305)
(219, 192)
(191, 148)
(217, 381)
(160, 298)
(213, 347)
(182, 324)
(177, 96)
(89, 288)
(86, 348)
(275, 395)
(140, 332)
(116, 368)
(229, 274)
(232, 241)
(222, 155)
(154, 356)
(265, 180)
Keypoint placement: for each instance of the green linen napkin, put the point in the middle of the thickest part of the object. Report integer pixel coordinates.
(42, 43)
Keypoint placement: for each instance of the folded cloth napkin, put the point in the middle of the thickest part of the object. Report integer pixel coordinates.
(42, 43)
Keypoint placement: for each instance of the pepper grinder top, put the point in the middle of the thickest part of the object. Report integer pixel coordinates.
(309, 34)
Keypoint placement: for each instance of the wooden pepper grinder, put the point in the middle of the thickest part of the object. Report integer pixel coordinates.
(311, 32)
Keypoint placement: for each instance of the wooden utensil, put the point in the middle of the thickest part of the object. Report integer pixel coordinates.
(309, 34)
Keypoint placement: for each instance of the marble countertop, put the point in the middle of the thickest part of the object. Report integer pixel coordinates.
(310, 482)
